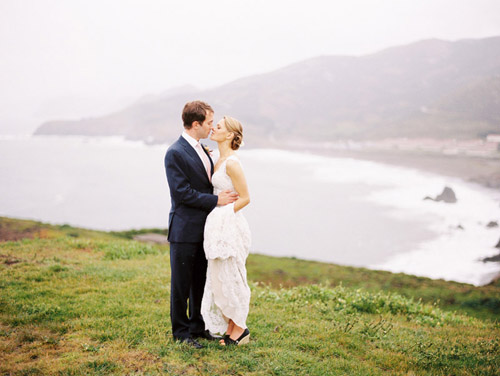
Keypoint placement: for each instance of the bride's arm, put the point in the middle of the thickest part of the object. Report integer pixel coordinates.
(235, 172)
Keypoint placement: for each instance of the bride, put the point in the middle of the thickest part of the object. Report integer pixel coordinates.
(226, 298)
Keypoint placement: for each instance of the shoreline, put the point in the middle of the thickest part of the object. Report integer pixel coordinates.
(484, 171)
(482, 174)
(480, 170)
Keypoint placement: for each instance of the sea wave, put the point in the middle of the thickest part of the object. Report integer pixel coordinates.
(462, 240)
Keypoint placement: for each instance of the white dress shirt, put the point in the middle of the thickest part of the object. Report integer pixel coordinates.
(203, 157)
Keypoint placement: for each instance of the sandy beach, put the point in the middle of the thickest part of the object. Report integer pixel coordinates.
(481, 170)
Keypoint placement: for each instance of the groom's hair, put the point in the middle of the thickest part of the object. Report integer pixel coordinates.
(195, 111)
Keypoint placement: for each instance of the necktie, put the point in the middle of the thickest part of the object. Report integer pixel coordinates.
(204, 159)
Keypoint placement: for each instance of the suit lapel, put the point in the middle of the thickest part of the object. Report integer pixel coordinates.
(194, 156)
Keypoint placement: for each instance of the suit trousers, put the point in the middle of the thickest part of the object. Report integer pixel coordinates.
(188, 267)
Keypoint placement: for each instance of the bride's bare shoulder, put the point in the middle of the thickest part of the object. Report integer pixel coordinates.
(233, 165)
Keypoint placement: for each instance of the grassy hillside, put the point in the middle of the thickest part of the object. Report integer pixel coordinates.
(79, 302)
(481, 302)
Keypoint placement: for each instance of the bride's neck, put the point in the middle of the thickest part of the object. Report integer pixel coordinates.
(225, 149)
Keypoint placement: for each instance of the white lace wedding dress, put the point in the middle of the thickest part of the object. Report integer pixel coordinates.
(227, 243)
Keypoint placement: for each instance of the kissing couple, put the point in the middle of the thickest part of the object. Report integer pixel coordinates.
(209, 236)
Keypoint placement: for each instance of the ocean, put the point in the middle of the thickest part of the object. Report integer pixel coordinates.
(336, 210)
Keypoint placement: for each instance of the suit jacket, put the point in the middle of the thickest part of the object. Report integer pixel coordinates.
(191, 192)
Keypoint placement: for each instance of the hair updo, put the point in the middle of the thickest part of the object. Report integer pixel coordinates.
(234, 126)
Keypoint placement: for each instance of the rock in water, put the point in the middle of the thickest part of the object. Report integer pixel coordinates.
(447, 196)
(492, 259)
(152, 238)
(492, 224)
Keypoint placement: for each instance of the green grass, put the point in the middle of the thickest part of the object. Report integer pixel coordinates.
(98, 304)
(482, 302)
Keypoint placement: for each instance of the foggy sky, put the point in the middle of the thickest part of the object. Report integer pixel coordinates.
(77, 58)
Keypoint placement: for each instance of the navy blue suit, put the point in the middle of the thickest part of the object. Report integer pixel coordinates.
(192, 200)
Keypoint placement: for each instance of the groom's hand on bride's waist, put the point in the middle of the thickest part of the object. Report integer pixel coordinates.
(227, 197)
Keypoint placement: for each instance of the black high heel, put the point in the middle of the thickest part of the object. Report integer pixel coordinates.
(243, 339)
(224, 338)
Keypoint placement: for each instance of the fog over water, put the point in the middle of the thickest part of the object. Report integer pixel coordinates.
(329, 209)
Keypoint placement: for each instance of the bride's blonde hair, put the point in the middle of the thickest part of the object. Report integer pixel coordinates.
(234, 126)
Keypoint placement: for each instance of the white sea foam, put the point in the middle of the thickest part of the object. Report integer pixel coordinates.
(462, 238)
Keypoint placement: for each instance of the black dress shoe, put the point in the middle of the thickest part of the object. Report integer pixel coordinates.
(206, 335)
(192, 342)
(242, 340)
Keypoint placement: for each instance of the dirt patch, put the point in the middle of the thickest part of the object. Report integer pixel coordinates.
(35, 350)
(12, 231)
(9, 260)
(136, 360)
(28, 349)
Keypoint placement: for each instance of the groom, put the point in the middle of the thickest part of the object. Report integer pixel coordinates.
(189, 171)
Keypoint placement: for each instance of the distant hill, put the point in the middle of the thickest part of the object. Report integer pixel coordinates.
(431, 88)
